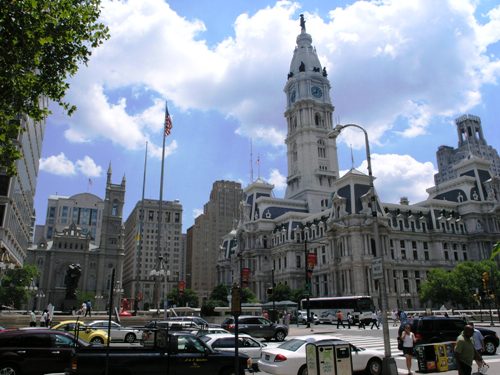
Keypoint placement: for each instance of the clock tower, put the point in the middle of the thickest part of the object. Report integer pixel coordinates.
(312, 156)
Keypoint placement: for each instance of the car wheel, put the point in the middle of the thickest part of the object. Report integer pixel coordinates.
(7, 369)
(280, 336)
(489, 347)
(97, 340)
(302, 370)
(374, 367)
(130, 338)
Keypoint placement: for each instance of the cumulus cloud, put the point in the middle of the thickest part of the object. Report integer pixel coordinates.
(383, 71)
(278, 180)
(197, 212)
(60, 165)
(399, 176)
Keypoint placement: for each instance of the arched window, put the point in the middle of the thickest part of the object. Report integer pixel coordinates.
(321, 149)
(114, 208)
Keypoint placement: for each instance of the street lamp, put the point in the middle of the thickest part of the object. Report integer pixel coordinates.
(389, 365)
(158, 273)
(39, 296)
(309, 270)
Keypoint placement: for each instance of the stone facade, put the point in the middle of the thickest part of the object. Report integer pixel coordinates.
(72, 246)
(333, 217)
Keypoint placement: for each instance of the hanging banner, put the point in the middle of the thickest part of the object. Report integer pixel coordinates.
(181, 286)
(245, 277)
(311, 260)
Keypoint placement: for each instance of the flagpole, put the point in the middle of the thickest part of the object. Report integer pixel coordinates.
(166, 131)
(139, 242)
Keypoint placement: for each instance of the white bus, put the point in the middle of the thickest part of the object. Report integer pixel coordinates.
(360, 307)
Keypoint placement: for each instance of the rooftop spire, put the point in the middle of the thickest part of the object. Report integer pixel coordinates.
(302, 24)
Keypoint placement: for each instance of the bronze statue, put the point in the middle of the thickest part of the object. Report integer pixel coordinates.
(71, 280)
(302, 22)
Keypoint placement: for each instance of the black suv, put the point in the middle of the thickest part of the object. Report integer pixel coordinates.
(430, 329)
(257, 326)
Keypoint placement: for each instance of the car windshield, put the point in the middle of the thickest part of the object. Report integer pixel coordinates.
(292, 345)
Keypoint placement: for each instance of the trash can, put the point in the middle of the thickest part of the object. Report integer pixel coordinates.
(426, 357)
(329, 357)
(436, 357)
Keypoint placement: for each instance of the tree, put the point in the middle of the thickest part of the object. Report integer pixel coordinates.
(281, 292)
(14, 284)
(220, 293)
(186, 298)
(43, 42)
(247, 296)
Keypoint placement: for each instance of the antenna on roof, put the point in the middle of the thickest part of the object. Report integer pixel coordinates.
(352, 158)
(258, 166)
(251, 161)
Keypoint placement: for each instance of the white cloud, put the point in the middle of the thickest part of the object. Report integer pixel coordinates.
(88, 167)
(400, 175)
(277, 179)
(382, 69)
(58, 165)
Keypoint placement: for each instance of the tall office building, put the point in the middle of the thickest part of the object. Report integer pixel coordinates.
(219, 215)
(142, 251)
(83, 209)
(17, 194)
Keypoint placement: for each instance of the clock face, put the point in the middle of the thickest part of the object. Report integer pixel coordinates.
(316, 92)
(293, 96)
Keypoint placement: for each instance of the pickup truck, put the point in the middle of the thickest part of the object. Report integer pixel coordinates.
(165, 353)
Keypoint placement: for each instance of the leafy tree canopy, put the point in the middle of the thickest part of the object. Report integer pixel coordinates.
(43, 42)
(13, 289)
(281, 292)
(187, 298)
(220, 293)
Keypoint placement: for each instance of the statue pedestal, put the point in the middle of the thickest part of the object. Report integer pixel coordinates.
(69, 304)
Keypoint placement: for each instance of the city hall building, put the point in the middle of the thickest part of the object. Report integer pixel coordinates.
(333, 217)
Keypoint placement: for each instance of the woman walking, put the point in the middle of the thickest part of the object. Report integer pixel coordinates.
(408, 339)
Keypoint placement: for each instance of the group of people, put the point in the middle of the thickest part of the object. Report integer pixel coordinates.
(468, 348)
(86, 308)
(44, 318)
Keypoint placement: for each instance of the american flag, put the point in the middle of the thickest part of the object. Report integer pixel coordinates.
(168, 121)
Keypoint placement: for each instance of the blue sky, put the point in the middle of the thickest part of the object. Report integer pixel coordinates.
(404, 70)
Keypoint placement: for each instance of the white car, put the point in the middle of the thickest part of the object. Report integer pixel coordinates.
(118, 332)
(209, 331)
(290, 357)
(246, 344)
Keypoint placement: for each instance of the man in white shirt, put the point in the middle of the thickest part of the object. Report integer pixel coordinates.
(478, 339)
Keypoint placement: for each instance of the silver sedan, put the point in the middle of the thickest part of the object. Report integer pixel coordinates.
(118, 332)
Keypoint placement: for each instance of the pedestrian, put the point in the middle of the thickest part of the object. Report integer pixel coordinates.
(88, 310)
(32, 318)
(465, 352)
(44, 318)
(83, 309)
(374, 320)
(408, 339)
(340, 318)
(265, 314)
(478, 339)
(350, 320)
(362, 321)
(287, 318)
(394, 316)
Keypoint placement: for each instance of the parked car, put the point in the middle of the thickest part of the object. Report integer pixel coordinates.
(302, 317)
(82, 331)
(209, 331)
(172, 324)
(36, 351)
(198, 320)
(289, 358)
(118, 332)
(246, 344)
(257, 326)
(430, 329)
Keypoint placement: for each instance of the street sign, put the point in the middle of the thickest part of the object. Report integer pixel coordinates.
(377, 271)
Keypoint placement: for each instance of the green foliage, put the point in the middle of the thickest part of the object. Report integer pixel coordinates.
(220, 293)
(43, 42)
(459, 286)
(13, 290)
(281, 292)
(188, 298)
(297, 294)
(247, 296)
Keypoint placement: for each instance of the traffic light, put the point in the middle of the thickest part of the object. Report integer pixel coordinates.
(269, 291)
(486, 280)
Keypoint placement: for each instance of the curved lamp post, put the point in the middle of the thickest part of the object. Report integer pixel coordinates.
(389, 365)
